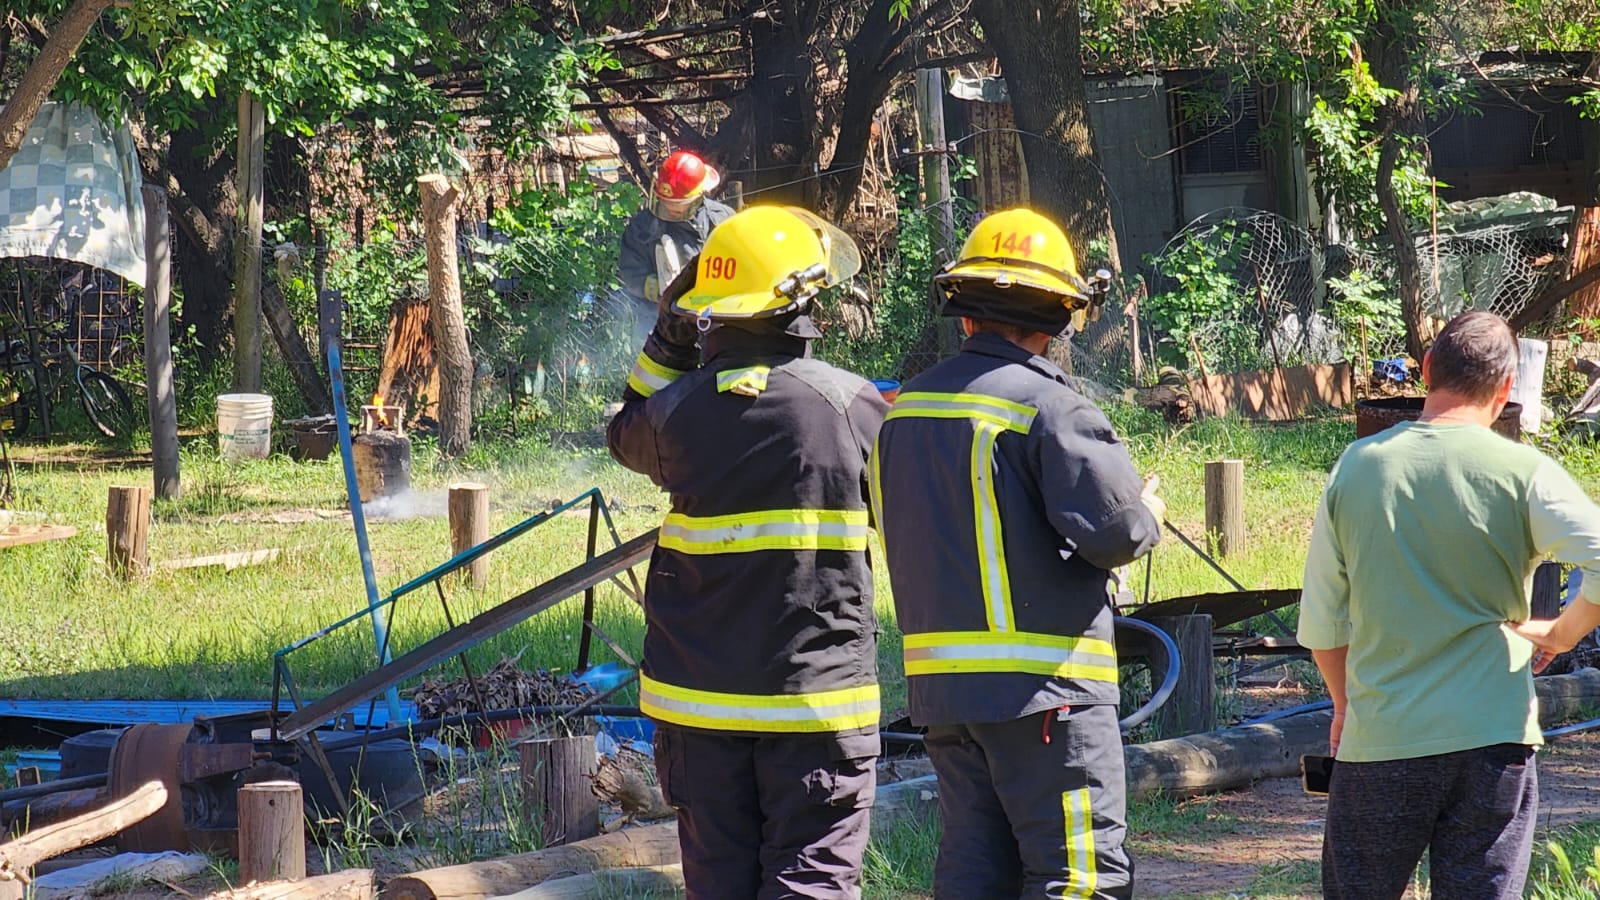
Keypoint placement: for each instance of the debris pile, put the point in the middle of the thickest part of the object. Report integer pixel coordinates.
(504, 686)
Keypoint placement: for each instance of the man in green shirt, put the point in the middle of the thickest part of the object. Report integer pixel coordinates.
(1415, 609)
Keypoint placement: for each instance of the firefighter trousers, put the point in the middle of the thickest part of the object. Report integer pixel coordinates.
(767, 816)
(1033, 808)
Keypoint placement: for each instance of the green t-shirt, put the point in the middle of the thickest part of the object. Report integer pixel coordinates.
(1423, 550)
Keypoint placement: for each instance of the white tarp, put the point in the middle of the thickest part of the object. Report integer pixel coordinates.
(72, 192)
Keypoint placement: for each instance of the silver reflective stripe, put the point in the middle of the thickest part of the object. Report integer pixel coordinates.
(986, 512)
(1000, 651)
(1005, 413)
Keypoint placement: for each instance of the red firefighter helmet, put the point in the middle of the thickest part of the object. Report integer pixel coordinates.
(684, 176)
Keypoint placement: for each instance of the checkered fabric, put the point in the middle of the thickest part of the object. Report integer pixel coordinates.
(72, 192)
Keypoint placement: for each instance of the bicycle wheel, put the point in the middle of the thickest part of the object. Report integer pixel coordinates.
(105, 402)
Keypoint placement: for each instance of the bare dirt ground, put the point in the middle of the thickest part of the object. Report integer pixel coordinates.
(1265, 842)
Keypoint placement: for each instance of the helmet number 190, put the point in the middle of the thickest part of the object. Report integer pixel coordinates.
(1010, 243)
(721, 267)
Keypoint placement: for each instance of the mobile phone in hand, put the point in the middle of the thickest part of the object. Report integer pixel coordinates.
(1316, 773)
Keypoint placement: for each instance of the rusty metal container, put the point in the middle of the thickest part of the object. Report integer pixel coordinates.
(1373, 416)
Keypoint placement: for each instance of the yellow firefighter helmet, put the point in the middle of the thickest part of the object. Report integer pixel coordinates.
(766, 261)
(1017, 266)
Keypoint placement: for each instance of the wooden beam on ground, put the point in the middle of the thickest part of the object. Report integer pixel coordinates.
(20, 854)
(638, 881)
(468, 634)
(350, 884)
(17, 535)
(650, 845)
(229, 561)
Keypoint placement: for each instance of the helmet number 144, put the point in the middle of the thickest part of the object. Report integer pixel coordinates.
(1009, 242)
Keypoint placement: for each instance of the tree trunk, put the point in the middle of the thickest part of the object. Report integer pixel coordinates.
(446, 315)
(1037, 45)
(40, 77)
(1393, 47)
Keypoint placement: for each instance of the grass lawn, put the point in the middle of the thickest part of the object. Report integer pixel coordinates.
(76, 632)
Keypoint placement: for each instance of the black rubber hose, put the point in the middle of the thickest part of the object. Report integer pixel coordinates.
(1168, 684)
(45, 788)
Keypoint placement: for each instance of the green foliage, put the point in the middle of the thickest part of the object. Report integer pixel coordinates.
(1207, 299)
(1361, 298)
(1347, 164)
(1559, 874)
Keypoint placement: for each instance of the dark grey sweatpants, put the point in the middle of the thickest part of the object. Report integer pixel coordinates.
(1028, 819)
(767, 817)
(1473, 811)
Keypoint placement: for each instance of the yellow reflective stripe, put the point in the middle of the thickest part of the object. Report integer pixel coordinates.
(1006, 414)
(649, 376)
(986, 525)
(1082, 875)
(748, 382)
(875, 486)
(836, 710)
(776, 529)
(945, 652)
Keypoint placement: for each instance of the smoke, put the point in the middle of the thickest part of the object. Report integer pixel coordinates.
(407, 504)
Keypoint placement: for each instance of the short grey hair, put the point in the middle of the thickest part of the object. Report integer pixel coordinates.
(1474, 354)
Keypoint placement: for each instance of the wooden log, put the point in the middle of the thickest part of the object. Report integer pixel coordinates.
(556, 796)
(20, 854)
(1547, 584)
(651, 845)
(628, 789)
(1239, 756)
(469, 527)
(1191, 708)
(48, 809)
(161, 396)
(446, 315)
(128, 530)
(1224, 479)
(350, 884)
(639, 881)
(272, 832)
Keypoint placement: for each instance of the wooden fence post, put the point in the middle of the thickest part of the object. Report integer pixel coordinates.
(469, 527)
(556, 797)
(1224, 481)
(272, 832)
(128, 530)
(1190, 709)
(162, 400)
(247, 246)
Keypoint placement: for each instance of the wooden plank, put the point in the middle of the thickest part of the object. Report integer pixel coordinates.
(17, 535)
(470, 633)
(229, 561)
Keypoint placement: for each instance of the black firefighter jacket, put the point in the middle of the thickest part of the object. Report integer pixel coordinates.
(758, 603)
(636, 256)
(1003, 498)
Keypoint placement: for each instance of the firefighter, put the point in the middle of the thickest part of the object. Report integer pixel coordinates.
(662, 237)
(1004, 501)
(760, 666)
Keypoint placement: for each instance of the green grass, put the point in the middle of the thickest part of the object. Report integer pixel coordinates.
(76, 632)
(899, 858)
(1566, 866)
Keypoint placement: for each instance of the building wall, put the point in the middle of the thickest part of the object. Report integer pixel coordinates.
(1134, 143)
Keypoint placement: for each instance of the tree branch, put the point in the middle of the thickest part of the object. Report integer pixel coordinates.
(43, 72)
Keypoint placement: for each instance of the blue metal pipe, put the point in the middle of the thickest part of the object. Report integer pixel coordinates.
(380, 618)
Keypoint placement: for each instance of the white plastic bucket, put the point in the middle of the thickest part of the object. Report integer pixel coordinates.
(1528, 388)
(244, 426)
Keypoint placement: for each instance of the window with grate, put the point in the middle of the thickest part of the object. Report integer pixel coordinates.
(1534, 131)
(1218, 128)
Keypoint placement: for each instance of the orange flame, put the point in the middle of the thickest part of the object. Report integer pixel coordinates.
(378, 411)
